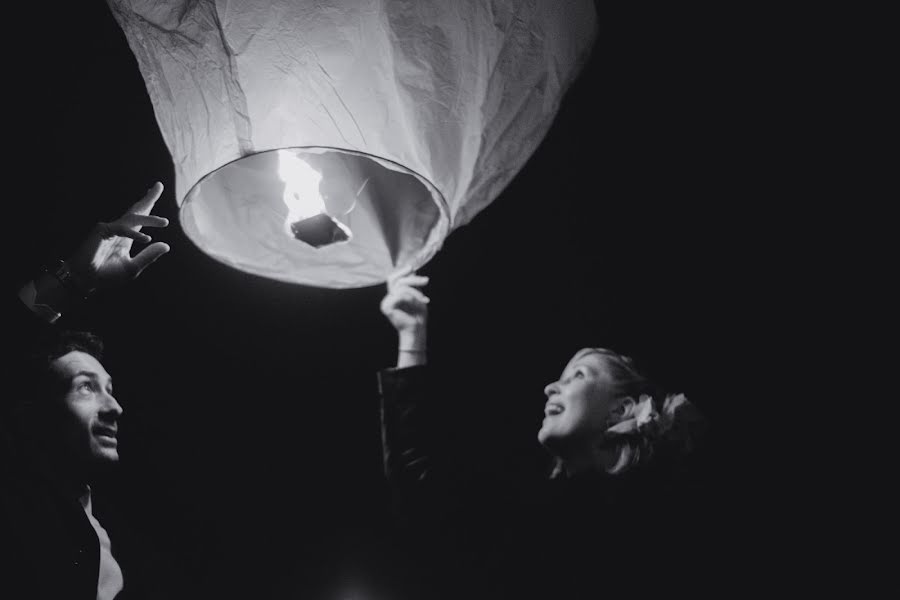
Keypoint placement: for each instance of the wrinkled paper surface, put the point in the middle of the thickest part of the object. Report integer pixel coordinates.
(457, 92)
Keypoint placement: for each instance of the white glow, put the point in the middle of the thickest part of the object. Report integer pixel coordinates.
(301, 188)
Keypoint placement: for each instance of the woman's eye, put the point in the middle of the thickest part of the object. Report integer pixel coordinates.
(579, 373)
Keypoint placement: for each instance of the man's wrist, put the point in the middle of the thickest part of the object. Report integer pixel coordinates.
(77, 284)
(54, 292)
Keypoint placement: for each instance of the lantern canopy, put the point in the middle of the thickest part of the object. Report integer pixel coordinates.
(330, 142)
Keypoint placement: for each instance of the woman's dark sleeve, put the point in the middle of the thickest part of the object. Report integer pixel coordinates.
(453, 504)
(405, 423)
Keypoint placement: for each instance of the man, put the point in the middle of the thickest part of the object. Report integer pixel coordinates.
(64, 426)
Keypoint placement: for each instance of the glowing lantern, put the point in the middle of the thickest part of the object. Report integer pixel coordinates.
(328, 142)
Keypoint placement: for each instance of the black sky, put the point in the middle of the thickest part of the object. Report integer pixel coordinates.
(251, 427)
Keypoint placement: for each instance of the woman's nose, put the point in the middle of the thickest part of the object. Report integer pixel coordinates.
(552, 388)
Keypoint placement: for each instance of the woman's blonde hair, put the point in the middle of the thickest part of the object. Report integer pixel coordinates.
(651, 421)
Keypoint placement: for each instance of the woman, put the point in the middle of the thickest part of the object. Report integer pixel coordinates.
(604, 415)
(615, 504)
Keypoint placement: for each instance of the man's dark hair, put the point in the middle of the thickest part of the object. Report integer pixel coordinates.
(37, 384)
(51, 347)
(38, 374)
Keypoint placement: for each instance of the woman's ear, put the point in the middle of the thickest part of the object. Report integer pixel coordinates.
(621, 409)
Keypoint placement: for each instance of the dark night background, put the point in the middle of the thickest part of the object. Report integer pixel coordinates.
(251, 433)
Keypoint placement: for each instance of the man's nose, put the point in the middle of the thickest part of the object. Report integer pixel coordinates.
(111, 406)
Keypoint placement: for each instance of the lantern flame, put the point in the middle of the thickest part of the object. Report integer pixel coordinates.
(301, 189)
(308, 217)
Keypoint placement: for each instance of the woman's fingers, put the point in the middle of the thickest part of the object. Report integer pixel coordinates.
(406, 300)
(402, 272)
(405, 305)
(407, 295)
(407, 273)
(409, 281)
(412, 293)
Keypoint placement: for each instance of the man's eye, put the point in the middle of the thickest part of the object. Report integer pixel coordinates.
(87, 386)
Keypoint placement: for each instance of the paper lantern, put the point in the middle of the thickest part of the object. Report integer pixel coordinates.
(329, 142)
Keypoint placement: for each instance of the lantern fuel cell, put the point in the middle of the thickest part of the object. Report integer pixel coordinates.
(335, 218)
(328, 143)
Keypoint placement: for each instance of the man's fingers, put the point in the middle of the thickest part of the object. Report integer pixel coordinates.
(145, 204)
(148, 256)
(115, 228)
(137, 221)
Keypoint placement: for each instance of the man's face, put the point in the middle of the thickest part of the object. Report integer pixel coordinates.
(90, 412)
(578, 405)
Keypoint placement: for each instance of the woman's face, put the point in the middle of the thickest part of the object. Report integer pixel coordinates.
(579, 404)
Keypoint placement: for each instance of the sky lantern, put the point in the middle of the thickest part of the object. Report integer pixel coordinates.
(331, 142)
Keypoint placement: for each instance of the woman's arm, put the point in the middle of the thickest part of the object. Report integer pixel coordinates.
(404, 389)
(406, 307)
